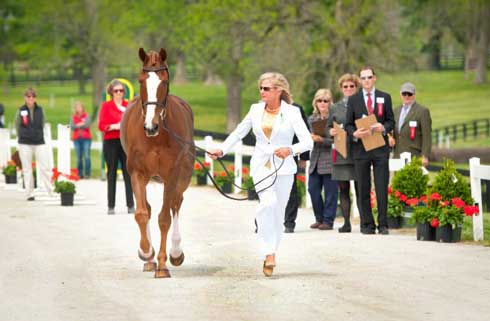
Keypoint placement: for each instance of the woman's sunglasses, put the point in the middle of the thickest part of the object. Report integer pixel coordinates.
(348, 86)
(265, 88)
(407, 94)
(118, 91)
(326, 101)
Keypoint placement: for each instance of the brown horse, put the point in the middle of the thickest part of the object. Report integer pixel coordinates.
(157, 136)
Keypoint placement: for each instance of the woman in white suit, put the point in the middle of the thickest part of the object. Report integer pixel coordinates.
(274, 122)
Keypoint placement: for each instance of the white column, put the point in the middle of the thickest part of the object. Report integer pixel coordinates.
(208, 145)
(64, 147)
(49, 150)
(476, 194)
(238, 167)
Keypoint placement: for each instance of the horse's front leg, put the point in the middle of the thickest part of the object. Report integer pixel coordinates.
(164, 222)
(142, 216)
(176, 253)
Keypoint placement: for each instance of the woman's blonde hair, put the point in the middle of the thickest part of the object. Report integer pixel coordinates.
(111, 85)
(279, 81)
(349, 77)
(78, 103)
(321, 93)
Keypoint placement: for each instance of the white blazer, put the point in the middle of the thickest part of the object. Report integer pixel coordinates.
(288, 122)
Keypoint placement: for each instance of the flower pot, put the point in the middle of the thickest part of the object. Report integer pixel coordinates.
(394, 222)
(425, 232)
(201, 180)
(447, 234)
(67, 199)
(226, 188)
(252, 195)
(407, 214)
(11, 179)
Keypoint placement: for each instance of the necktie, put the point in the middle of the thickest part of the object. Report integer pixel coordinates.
(369, 104)
(403, 113)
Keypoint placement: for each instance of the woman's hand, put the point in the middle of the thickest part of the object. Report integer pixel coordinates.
(282, 152)
(317, 138)
(215, 153)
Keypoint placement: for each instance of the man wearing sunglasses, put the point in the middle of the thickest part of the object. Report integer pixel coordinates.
(413, 130)
(369, 100)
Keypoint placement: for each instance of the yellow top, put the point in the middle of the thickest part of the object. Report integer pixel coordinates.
(267, 124)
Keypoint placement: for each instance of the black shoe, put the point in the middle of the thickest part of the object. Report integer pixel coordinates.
(31, 198)
(368, 231)
(383, 230)
(345, 229)
(111, 211)
(289, 230)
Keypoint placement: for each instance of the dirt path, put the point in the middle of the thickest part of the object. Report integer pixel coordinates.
(78, 263)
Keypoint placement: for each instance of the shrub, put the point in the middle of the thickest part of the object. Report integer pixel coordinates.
(449, 184)
(10, 169)
(410, 180)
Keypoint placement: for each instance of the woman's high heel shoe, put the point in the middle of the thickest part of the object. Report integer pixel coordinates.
(268, 269)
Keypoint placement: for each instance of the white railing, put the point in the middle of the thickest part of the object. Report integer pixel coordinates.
(477, 173)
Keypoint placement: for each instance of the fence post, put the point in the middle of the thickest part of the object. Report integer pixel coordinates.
(465, 132)
(476, 194)
(4, 146)
(208, 145)
(64, 146)
(406, 157)
(238, 167)
(475, 129)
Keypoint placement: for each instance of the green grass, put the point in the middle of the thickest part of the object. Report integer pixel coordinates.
(450, 97)
(467, 232)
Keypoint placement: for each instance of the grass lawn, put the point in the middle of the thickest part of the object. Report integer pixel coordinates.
(467, 232)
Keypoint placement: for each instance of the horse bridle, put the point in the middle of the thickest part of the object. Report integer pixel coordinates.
(166, 82)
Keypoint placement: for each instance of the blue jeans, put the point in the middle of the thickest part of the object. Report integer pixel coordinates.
(324, 210)
(82, 148)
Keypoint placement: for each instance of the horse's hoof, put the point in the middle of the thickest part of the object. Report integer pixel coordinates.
(149, 266)
(162, 273)
(177, 261)
(144, 258)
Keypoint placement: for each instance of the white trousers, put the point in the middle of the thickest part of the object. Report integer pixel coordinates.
(270, 211)
(42, 169)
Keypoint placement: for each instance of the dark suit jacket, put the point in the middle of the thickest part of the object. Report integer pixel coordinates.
(356, 108)
(422, 142)
(306, 155)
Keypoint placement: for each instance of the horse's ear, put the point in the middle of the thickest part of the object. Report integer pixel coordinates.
(142, 54)
(163, 54)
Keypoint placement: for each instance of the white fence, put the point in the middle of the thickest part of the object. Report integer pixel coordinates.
(477, 173)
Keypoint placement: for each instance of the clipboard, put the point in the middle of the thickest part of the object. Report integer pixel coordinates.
(340, 140)
(374, 140)
(319, 127)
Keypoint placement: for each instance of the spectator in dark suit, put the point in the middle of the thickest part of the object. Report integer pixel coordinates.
(321, 166)
(2, 117)
(413, 130)
(293, 202)
(369, 101)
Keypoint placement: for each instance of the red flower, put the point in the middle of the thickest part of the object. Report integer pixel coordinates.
(403, 198)
(435, 197)
(457, 202)
(389, 189)
(434, 222)
(245, 171)
(423, 198)
(470, 210)
(33, 165)
(231, 168)
(444, 203)
(207, 164)
(55, 175)
(197, 166)
(223, 174)
(301, 178)
(412, 202)
(397, 193)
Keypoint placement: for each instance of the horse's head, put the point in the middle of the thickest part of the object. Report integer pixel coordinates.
(154, 87)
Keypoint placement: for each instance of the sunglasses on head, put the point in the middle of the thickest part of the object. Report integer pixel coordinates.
(348, 86)
(326, 101)
(367, 77)
(265, 88)
(118, 91)
(407, 94)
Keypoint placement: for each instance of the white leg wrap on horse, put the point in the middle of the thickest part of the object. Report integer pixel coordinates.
(148, 235)
(176, 251)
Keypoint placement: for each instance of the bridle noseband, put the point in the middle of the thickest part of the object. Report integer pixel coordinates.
(166, 82)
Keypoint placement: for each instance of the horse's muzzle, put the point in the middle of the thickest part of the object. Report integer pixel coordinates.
(152, 132)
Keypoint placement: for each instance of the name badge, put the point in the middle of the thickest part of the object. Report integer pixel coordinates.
(364, 116)
(412, 123)
(380, 100)
(23, 113)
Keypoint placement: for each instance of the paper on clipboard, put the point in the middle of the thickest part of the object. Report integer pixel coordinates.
(374, 140)
(340, 140)
(319, 127)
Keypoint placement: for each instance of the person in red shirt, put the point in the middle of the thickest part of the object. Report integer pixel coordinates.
(82, 139)
(110, 116)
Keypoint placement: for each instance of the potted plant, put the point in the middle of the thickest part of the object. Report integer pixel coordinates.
(455, 196)
(201, 170)
(301, 187)
(65, 185)
(394, 213)
(248, 185)
(224, 180)
(411, 182)
(10, 172)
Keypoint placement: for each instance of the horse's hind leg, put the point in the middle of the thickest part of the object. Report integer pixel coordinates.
(142, 216)
(176, 253)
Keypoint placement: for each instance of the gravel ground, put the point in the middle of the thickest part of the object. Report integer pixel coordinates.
(78, 263)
